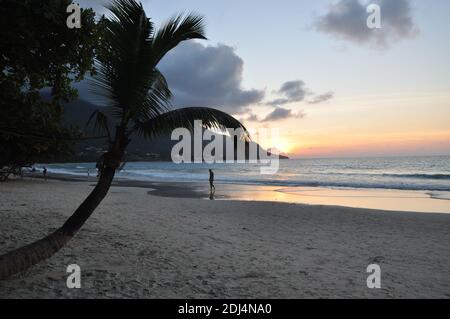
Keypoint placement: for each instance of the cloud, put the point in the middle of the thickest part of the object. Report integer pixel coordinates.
(208, 76)
(347, 20)
(291, 91)
(296, 91)
(198, 75)
(252, 118)
(321, 98)
(281, 114)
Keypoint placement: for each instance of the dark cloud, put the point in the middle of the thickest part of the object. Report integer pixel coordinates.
(209, 76)
(296, 91)
(199, 75)
(252, 118)
(291, 91)
(347, 20)
(321, 98)
(281, 114)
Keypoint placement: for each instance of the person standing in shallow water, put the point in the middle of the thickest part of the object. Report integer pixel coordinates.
(212, 188)
(44, 171)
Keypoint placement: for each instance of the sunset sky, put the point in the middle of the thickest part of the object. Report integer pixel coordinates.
(314, 70)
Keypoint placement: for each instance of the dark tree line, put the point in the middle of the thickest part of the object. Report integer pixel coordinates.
(39, 53)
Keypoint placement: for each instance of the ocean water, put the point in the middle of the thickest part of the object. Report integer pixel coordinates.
(405, 173)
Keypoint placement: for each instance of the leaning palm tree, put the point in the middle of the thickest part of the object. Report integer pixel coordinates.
(139, 98)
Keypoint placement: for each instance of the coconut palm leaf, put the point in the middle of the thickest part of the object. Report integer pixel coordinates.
(101, 123)
(157, 100)
(126, 74)
(174, 31)
(185, 117)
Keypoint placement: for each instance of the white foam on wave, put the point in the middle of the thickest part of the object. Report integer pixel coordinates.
(426, 174)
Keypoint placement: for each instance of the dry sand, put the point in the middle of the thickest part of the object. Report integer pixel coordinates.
(144, 246)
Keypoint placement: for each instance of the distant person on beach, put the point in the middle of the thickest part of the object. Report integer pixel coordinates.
(98, 166)
(212, 188)
(44, 171)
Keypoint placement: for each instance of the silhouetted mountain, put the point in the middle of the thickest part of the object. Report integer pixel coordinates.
(77, 114)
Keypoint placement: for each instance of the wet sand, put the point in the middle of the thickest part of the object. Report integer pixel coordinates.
(398, 200)
(382, 199)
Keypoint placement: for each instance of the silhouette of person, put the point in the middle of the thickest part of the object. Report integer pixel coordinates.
(212, 188)
(44, 171)
(98, 166)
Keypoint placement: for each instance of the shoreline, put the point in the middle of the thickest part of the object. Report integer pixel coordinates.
(365, 198)
(138, 245)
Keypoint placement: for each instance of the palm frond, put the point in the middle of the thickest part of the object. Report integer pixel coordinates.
(101, 123)
(157, 100)
(185, 117)
(125, 72)
(174, 31)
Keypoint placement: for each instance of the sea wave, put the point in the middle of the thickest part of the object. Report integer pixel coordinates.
(251, 180)
(420, 176)
(430, 175)
(437, 176)
(345, 184)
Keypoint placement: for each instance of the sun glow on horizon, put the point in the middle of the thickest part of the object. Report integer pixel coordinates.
(404, 123)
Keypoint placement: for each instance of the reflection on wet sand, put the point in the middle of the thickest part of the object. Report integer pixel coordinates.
(395, 200)
(414, 201)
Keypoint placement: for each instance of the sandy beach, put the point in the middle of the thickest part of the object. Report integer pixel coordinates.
(138, 245)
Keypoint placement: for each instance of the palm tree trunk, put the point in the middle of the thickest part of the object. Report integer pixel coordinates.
(84, 211)
(23, 258)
